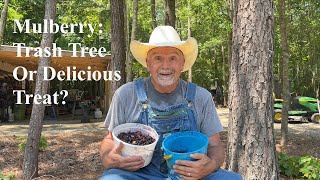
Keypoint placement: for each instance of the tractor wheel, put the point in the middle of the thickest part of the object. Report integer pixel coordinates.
(277, 115)
(315, 118)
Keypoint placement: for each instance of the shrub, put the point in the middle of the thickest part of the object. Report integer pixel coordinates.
(288, 165)
(299, 166)
(6, 177)
(310, 167)
(43, 143)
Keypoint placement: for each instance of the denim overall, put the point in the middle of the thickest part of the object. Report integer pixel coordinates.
(180, 117)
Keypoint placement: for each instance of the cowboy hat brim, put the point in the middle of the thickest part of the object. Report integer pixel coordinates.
(189, 48)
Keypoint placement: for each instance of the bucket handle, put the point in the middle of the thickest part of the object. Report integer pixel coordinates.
(166, 157)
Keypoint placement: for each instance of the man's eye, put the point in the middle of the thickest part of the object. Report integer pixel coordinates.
(158, 58)
(173, 58)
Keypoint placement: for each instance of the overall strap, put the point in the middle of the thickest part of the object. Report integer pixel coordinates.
(143, 100)
(191, 92)
(140, 90)
(190, 97)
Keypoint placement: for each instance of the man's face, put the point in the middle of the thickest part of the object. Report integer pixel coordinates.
(165, 65)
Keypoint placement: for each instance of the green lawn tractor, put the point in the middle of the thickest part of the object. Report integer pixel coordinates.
(305, 109)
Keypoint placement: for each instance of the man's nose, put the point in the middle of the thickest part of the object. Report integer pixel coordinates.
(166, 64)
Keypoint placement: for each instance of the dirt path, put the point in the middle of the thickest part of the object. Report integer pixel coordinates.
(54, 127)
(73, 147)
(308, 130)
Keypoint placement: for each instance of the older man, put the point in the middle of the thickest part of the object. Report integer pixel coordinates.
(168, 104)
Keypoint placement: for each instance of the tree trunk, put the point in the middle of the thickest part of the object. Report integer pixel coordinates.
(285, 73)
(133, 37)
(153, 14)
(128, 61)
(215, 63)
(118, 41)
(230, 11)
(251, 145)
(30, 161)
(170, 13)
(281, 75)
(189, 35)
(3, 20)
(226, 88)
(224, 81)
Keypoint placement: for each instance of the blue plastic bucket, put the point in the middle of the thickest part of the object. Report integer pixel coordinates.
(179, 146)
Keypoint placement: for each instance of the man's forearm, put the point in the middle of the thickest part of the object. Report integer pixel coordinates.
(217, 154)
(216, 150)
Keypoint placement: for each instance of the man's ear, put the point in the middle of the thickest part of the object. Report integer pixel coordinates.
(183, 65)
(147, 65)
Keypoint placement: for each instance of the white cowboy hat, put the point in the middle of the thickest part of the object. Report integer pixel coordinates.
(164, 36)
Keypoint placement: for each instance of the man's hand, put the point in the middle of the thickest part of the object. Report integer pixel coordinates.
(113, 159)
(192, 170)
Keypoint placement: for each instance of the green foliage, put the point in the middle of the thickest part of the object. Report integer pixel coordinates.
(288, 165)
(43, 143)
(73, 11)
(93, 12)
(299, 166)
(22, 10)
(304, 46)
(6, 177)
(211, 24)
(310, 167)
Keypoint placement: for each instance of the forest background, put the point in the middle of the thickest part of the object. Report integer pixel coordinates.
(210, 24)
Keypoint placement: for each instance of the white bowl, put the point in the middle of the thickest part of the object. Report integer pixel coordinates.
(145, 151)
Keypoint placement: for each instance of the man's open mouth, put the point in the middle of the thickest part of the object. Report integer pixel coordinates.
(166, 75)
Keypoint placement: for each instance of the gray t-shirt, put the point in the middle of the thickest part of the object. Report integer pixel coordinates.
(125, 106)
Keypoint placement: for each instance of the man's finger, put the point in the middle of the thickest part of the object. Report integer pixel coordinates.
(133, 164)
(187, 177)
(197, 156)
(185, 163)
(129, 159)
(183, 170)
(119, 148)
